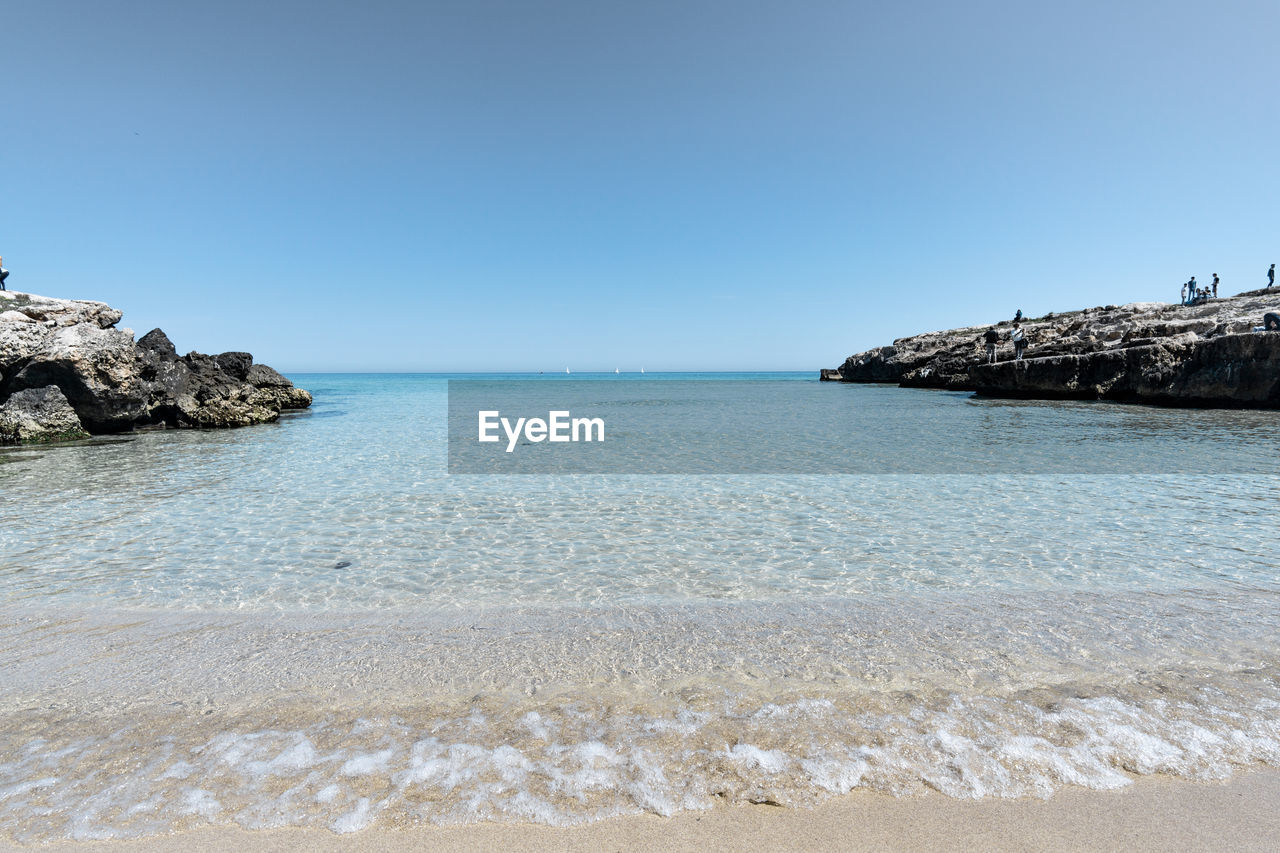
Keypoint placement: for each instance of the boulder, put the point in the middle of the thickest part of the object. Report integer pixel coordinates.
(274, 390)
(157, 342)
(261, 376)
(114, 384)
(161, 372)
(205, 395)
(235, 363)
(195, 391)
(37, 415)
(19, 340)
(96, 368)
(283, 399)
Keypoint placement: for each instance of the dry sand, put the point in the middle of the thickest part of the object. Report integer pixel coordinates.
(1153, 814)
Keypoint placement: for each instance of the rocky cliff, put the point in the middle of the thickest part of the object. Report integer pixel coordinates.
(66, 370)
(1149, 352)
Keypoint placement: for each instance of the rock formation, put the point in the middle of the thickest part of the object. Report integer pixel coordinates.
(60, 357)
(1148, 352)
(38, 414)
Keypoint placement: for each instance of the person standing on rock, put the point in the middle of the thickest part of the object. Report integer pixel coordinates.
(4, 273)
(1191, 291)
(992, 337)
(1271, 276)
(1019, 341)
(1215, 285)
(1017, 318)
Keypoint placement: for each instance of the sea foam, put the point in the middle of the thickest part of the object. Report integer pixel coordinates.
(605, 762)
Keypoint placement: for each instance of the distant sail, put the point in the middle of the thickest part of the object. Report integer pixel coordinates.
(566, 370)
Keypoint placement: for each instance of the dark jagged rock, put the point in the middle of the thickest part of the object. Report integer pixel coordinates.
(1201, 355)
(274, 390)
(37, 415)
(114, 384)
(235, 363)
(199, 390)
(262, 376)
(158, 342)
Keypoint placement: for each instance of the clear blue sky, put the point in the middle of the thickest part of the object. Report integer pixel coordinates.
(481, 185)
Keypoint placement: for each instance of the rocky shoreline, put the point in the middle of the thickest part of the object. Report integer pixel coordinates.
(67, 372)
(1205, 355)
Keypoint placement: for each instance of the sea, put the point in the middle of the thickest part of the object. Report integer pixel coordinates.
(326, 622)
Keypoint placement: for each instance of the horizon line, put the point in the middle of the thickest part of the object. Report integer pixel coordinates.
(535, 373)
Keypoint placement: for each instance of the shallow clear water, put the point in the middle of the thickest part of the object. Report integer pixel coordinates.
(313, 623)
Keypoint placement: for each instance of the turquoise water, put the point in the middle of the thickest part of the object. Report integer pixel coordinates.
(313, 623)
(262, 518)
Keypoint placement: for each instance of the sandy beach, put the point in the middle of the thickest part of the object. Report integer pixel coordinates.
(1154, 813)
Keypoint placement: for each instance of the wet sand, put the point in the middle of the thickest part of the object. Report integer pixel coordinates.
(1154, 813)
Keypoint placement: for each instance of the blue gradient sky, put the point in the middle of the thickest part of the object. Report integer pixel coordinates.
(679, 185)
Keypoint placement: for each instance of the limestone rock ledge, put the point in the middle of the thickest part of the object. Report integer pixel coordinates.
(1228, 371)
(1202, 355)
(112, 383)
